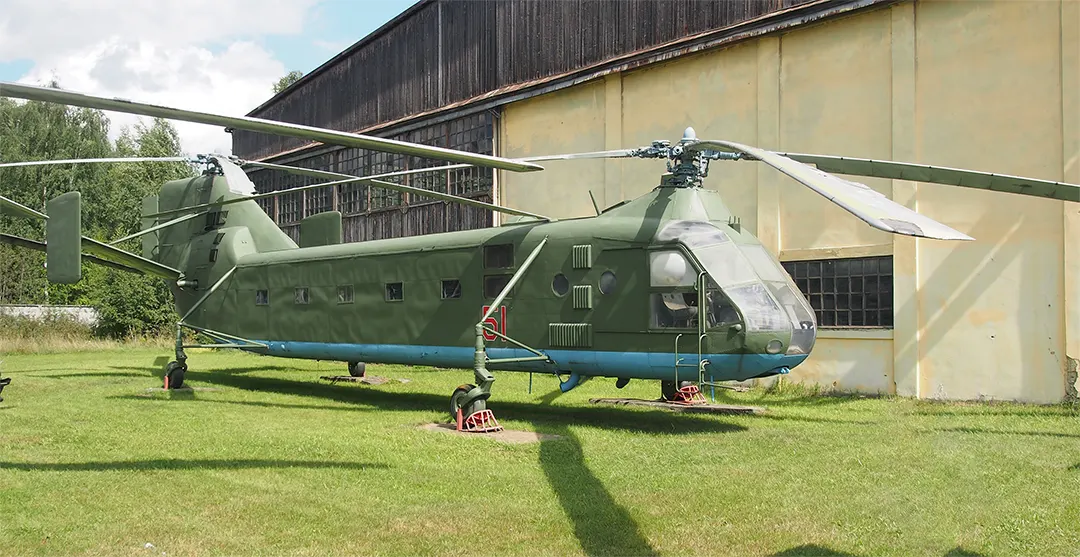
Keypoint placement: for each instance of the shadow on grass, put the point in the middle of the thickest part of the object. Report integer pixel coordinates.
(183, 464)
(159, 371)
(601, 525)
(961, 552)
(1001, 432)
(1075, 467)
(90, 374)
(607, 418)
(811, 550)
(189, 397)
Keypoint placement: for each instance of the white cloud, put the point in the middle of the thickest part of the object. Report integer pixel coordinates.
(193, 54)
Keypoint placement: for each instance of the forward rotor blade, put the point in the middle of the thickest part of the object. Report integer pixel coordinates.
(90, 161)
(616, 154)
(859, 199)
(40, 246)
(248, 123)
(318, 173)
(941, 175)
(456, 199)
(9, 207)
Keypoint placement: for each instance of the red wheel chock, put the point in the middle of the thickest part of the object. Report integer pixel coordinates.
(479, 422)
(689, 395)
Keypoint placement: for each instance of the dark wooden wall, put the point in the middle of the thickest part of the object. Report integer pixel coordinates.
(445, 51)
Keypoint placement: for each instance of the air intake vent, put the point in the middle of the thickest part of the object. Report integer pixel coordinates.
(583, 256)
(583, 297)
(570, 335)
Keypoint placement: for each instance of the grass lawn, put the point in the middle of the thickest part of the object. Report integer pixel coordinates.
(268, 459)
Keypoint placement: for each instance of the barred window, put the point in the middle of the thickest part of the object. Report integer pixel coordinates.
(850, 292)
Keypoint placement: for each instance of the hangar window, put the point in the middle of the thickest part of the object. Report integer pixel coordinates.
(345, 294)
(262, 298)
(849, 292)
(302, 296)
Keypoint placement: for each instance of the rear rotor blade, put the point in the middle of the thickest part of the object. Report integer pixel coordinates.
(859, 199)
(941, 175)
(248, 123)
(21, 242)
(311, 172)
(90, 161)
(9, 207)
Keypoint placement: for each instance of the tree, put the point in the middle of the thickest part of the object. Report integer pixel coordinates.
(289, 78)
(112, 204)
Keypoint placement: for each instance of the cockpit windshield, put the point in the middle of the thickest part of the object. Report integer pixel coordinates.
(744, 278)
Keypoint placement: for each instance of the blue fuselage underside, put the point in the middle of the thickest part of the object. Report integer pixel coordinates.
(635, 365)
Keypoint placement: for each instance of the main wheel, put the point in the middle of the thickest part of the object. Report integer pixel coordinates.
(668, 389)
(357, 369)
(175, 373)
(457, 399)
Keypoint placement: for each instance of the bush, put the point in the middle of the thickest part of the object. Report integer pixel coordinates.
(131, 305)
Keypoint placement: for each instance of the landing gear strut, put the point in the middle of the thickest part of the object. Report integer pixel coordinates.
(468, 404)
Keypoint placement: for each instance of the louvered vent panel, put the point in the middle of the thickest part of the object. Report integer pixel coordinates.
(570, 335)
(583, 256)
(583, 297)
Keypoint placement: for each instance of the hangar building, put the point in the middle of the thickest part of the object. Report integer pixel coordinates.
(988, 85)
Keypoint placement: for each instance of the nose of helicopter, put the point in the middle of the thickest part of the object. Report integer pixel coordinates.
(740, 367)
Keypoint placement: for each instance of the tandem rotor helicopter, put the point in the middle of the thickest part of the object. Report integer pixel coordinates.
(666, 287)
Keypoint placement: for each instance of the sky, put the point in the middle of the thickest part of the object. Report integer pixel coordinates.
(214, 56)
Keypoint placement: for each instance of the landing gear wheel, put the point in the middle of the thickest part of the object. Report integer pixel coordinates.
(669, 390)
(174, 372)
(457, 399)
(357, 369)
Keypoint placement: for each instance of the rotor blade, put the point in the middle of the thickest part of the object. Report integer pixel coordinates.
(40, 246)
(339, 176)
(238, 180)
(456, 199)
(87, 161)
(9, 207)
(616, 154)
(308, 171)
(248, 123)
(157, 227)
(859, 199)
(941, 175)
(128, 259)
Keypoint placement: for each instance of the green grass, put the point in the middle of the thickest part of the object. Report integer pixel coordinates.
(275, 461)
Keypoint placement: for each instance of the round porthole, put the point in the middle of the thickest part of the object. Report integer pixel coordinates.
(560, 285)
(607, 282)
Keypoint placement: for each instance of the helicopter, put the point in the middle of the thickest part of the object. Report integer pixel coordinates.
(668, 286)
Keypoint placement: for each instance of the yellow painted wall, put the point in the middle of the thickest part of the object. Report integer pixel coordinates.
(985, 85)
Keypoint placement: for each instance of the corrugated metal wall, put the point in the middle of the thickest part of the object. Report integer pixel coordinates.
(445, 51)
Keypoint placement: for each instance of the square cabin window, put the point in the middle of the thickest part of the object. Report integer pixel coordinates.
(451, 289)
(499, 257)
(262, 297)
(301, 295)
(345, 294)
(395, 292)
(493, 284)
